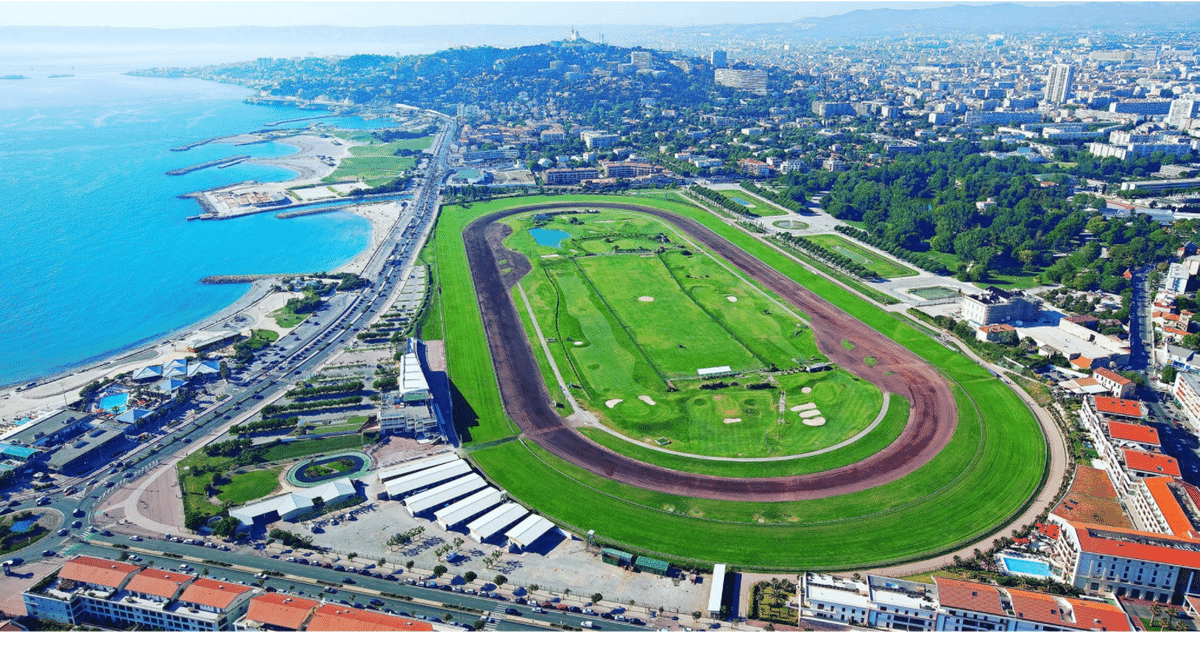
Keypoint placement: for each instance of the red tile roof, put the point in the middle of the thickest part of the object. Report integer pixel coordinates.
(1138, 433)
(96, 571)
(1135, 545)
(1038, 607)
(970, 596)
(210, 592)
(1113, 376)
(1123, 407)
(1177, 331)
(335, 618)
(1049, 530)
(1099, 616)
(279, 610)
(1149, 462)
(1082, 362)
(1177, 519)
(157, 583)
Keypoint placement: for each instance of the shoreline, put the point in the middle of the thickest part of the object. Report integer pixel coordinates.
(250, 310)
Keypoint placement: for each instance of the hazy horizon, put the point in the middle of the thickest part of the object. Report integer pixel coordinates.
(357, 14)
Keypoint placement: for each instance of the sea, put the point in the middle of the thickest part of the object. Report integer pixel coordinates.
(96, 253)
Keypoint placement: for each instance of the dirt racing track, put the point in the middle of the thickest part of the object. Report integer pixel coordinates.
(931, 421)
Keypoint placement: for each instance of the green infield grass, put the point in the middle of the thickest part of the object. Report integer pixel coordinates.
(372, 170)
(758, 207)
(249, 486)
(874, 441)
(887, 268)
(632, 329)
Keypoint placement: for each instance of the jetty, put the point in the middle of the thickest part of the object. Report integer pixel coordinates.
(315, 117)
(246, 278)
(227, 161)
(320, 210)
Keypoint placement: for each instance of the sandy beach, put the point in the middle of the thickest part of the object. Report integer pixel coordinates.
(251, 311)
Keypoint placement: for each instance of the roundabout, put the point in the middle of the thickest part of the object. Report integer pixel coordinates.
(327, 468)
(948, 473)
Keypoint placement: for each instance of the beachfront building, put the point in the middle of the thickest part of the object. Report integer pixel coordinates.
(107, 593)
(48, 430)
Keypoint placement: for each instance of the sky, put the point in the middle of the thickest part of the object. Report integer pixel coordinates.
(352, 13)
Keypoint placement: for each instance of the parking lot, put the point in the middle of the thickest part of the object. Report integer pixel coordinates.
(566, 565)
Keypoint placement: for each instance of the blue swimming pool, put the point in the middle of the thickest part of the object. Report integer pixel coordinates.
(548, 238)
(116, 401)
(1026, 567)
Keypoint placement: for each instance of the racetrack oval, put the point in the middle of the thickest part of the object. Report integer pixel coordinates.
(930, 425)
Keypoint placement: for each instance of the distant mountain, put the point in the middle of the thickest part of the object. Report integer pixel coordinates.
(1009, 18)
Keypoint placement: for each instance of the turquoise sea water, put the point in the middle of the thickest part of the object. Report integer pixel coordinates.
(96, 253)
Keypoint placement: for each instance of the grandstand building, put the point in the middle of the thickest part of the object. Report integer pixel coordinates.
(409, 411)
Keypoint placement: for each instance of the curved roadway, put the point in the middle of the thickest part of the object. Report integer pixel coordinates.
(931, 422)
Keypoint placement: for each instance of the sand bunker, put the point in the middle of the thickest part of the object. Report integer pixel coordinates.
(803, 406)
(550, 256)
(731, 298)
(732, 420)
(648, 400)
(810, 413)
(578, 343)
(805, 390)
(814, 422)
(645, 298)
(612, 402)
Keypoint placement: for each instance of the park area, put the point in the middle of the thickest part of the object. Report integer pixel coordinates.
(234, 472)
(376, 162)
(23, 529)
(770, 601)
(886, 268)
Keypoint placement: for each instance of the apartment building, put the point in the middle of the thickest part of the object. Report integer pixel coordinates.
(97, 591)
(569, 176)
(1117, 385)
(1126, 562)
(1187, 394)
(952, 605)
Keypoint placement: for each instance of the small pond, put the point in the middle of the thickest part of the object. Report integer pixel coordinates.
(549, 238)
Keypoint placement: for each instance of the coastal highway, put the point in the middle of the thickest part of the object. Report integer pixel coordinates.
(302, 351)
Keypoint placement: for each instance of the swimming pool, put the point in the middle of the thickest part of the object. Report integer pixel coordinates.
(116, 401)
(741, 202)
(1026, 567)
